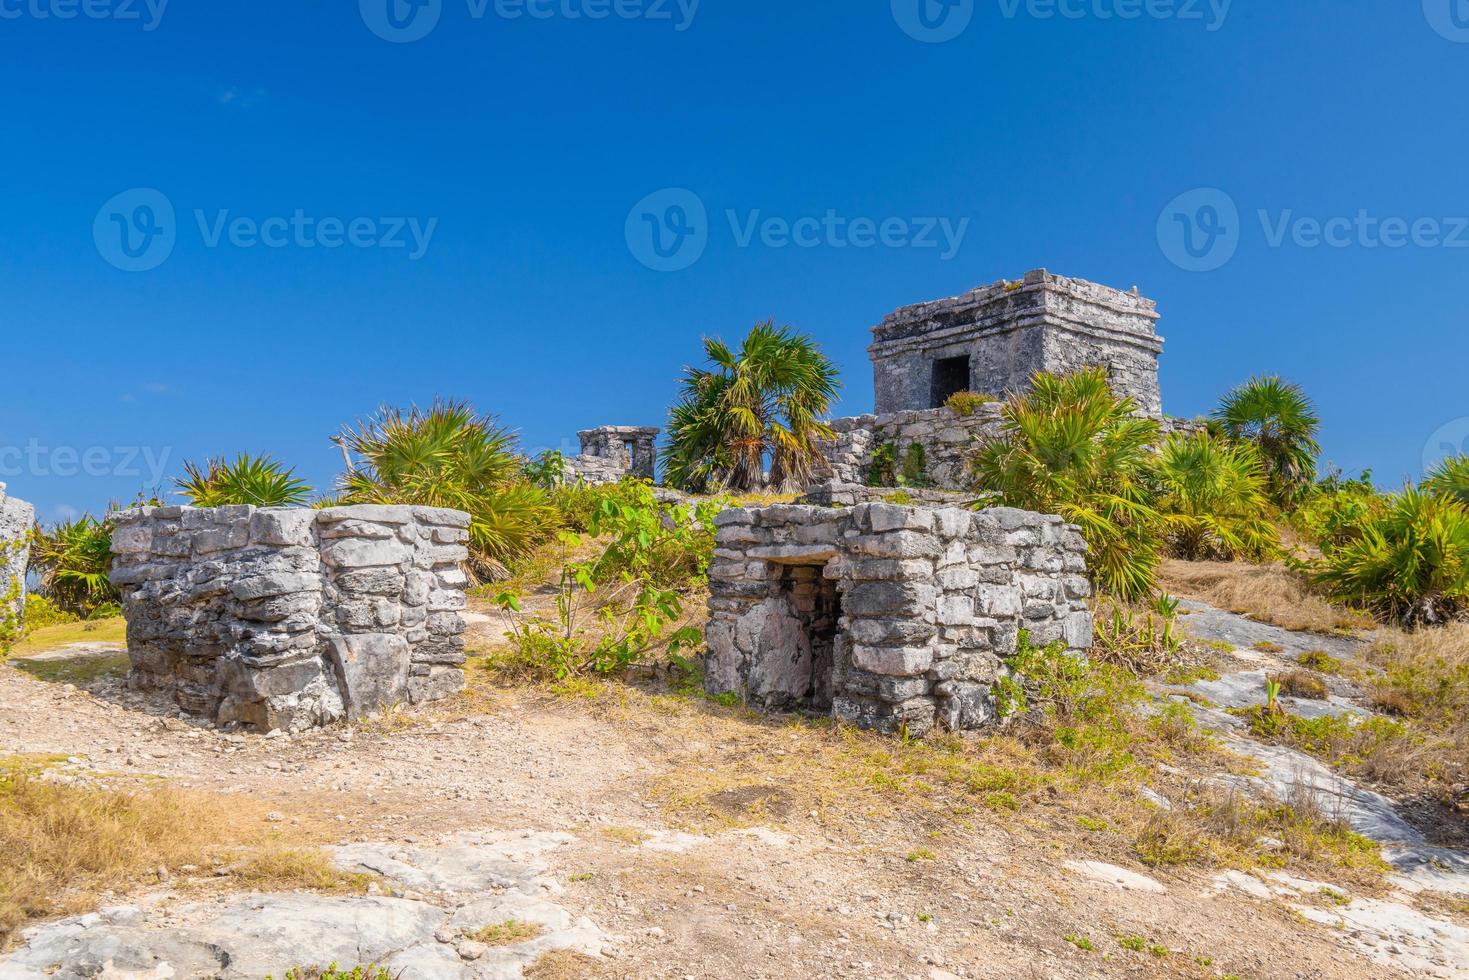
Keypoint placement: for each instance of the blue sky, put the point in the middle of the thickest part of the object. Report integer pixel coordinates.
(1053, 133)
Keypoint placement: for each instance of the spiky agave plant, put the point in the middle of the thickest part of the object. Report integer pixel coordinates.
(1072, 447)
(258, 480)
(1280, 420)
(767, 399)
(1213, 499)
(1410, 564)
(1450, 478)
(448, 456)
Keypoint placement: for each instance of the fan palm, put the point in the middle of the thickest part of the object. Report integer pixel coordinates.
(1281, 421)
(448, 456)
(1072, 447)
(765, 401)
(1410, 564)
(1450, 478)
(1213, 499)
(246, 479)
(71, 561)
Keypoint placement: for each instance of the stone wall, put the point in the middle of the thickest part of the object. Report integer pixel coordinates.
(611, 452)
(887, 616)
(1008, 331)
(285, 618)
(16, 520)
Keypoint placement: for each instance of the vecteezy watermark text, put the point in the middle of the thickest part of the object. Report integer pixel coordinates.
(937, 21)
(146, 13)
(128, 462)
(137, 230)
(668, 231)
(1200, 230)
(405, 21)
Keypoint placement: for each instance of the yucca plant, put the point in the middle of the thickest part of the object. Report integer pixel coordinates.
(1280, 420)
(71, 562)
(766, 400)
(246, 479)
(449, 456)
(1410, 564)
(1213, 499)
(1072, 447)
(1450, 478)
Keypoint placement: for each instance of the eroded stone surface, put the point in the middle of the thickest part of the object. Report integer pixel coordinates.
(16, 520)
(458, 887)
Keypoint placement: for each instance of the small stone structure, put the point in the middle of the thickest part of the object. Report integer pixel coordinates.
(611, 452)
(286, 618)
(16, 520)
(887, 616)
(994, 338)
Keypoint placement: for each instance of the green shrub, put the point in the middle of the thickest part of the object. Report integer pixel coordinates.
(257, 480)
(547, 471)
(42, 612)
(966, 403)
(1072, 447)
(72, 560)
(882, 466)
(333, 972)
(1410, 563)
(448, 456)
(1212, 496)
(1334, 512)
(1450, 478)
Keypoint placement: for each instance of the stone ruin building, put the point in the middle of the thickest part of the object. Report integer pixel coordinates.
(989, 341)
(887, 617)
(16, 520)
(288, 618)
(993, 339)
(611, 452)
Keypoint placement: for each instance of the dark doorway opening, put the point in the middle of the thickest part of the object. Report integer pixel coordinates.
(816, 604)
(950, 376)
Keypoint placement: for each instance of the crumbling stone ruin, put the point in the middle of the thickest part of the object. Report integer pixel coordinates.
(287, 618)
(611, 452)
(887, 616)
(16, 520)
(993, 339)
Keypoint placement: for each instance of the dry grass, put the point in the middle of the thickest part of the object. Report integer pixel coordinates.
(563, 964)
(1268, 593)
(60, 846)
(506, 933)
(1301, 684)
(282, 869)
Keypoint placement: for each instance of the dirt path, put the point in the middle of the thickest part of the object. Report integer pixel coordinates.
(800, 896)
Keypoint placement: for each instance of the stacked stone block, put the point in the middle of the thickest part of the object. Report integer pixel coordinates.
(286, 618)
(926, 603)
(16, 520)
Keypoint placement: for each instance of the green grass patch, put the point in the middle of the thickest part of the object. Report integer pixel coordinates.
(112, 630)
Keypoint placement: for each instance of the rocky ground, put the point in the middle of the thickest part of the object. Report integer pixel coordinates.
(552, 809)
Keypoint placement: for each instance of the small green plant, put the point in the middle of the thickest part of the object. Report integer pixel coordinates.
(1092, 824)
(966, 403)
(548, 470)
(921, 854)
(1321, 661)
(1135, 943)
(246, 479)
(506, 933)
(333, 972)
(915, 466)
(1267, 646)
(882, 467)
(1081, 943)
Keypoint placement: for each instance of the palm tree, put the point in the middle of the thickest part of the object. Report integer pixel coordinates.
(246, 479)
(448, 456)
(71, 561)
(1072, 447)
(766, 401)
(1213, 498)
(1281, 421)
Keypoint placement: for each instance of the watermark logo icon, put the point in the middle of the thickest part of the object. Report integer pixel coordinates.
(1199, 231)
(668, 230)
(1450, 18)
(1450, 440)
(136, 230)
(933, 21)
(401, 21)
